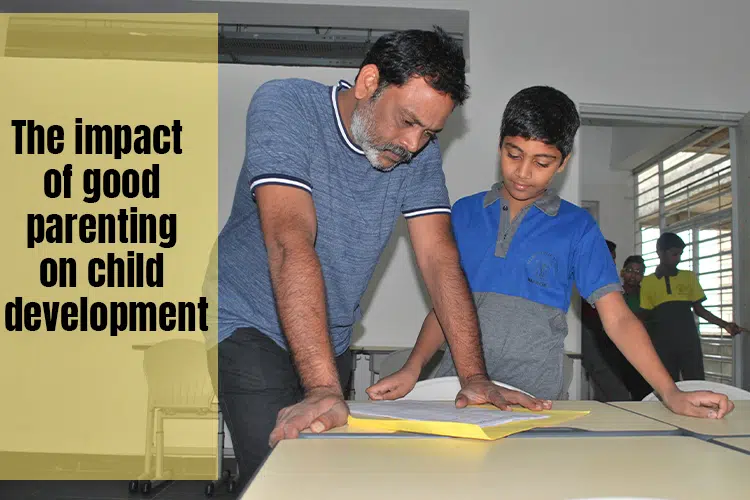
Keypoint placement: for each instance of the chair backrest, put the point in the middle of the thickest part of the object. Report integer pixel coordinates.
(177, 374)
(567, 375)
(442, 389)
(393, 362)
(732, 392)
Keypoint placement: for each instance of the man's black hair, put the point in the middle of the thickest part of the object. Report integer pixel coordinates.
(667, 241)
(432, 55)
(634, 259)
(542, 114)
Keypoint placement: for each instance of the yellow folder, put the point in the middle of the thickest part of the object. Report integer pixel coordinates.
(464, 430)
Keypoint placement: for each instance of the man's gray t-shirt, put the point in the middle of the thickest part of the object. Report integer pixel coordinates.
(295, 137)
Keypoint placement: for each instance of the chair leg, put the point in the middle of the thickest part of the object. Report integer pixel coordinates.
(223, 476)
(149, 447)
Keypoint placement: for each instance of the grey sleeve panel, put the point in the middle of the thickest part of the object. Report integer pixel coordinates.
(601, 292)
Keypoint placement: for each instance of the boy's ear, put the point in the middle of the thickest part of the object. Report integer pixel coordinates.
(563, 164)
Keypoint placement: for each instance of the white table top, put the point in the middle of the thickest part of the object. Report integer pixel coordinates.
(737, 423)
(603, 418)
(742, 443)
(551, 468)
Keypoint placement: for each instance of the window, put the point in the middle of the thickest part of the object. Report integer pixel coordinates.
(688, 191)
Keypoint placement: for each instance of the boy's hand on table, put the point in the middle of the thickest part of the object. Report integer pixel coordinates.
(321, 410)
(393, 386)
(703, 404)
(483, 391)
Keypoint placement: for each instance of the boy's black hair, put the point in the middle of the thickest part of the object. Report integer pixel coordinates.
(634, 259)
(668, 241)
(542, 114)
(432, 55)
(611, 245)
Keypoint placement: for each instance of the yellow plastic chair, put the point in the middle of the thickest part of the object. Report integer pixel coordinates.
(179, 387)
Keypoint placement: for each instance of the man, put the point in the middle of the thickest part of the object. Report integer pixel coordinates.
(327, 172)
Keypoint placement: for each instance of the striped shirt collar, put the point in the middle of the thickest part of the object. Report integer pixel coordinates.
(343, 84)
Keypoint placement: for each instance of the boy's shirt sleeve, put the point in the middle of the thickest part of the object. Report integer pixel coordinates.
(459, 219)
(696, 290)
(594, 270)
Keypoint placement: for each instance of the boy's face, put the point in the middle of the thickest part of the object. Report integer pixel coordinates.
(632, 274)
(528, 167)
(670, 257)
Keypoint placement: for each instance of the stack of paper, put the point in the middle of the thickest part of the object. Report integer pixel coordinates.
(443, 418)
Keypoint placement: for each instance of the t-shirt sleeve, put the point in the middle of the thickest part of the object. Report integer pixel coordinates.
(277, 140)
(647, 298)
(594, 270)
(696, 290)
(426, 192)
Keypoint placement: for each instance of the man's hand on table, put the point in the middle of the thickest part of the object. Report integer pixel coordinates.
(481, 390)
(321, 410)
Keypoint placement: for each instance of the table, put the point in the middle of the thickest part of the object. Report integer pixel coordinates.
(737, 423)
(603, 420)
(738, 443)
(548, 468)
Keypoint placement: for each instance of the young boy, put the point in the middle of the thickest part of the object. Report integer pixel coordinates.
(669, 297)
(632, 274)
(521, 248)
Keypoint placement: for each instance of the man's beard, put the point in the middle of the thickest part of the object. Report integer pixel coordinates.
(363, 133)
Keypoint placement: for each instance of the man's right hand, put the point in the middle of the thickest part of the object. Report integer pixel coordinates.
(321, 410)
(394, 386)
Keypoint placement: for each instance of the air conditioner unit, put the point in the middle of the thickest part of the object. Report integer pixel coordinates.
(123, 36)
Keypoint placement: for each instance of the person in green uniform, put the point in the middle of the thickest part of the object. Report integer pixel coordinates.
(632, 273)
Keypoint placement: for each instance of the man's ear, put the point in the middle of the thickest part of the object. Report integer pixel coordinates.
(564, 164)
(367, 82)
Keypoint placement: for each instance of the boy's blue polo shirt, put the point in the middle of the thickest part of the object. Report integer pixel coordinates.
(521, 273)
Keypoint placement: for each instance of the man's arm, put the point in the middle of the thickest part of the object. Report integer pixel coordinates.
(438, 261)
(288, 222)
(630, 337)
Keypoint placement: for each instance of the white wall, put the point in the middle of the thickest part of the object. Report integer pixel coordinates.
(613, 189)
(673, 53)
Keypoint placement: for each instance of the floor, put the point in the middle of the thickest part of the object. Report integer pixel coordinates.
(104, 490)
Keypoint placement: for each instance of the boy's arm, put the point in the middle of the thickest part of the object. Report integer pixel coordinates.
(731, 327)
(698, 296)
(630, 337)
(431, 337)
(398, 385)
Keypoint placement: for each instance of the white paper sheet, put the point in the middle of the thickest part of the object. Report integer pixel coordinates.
(437, 411)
